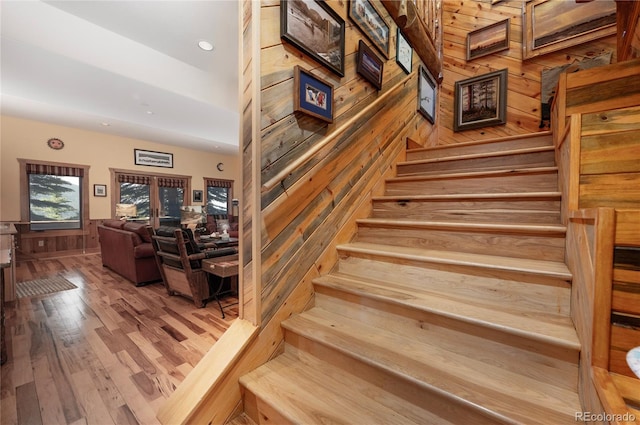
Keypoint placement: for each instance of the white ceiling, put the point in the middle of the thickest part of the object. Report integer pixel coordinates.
(132, 64)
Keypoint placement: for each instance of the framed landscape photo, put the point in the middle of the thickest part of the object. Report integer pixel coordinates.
(314, 28)
(490, 39)
(100, 190)
(153, 159)
(312, 96)
(427, 95)
(369, 65)
(551, 25)
(480, 101)
(367, 18)
(404, 52)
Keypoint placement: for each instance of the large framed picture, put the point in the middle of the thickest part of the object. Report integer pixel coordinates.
(153, 159)
(404, 52)
(480, 101)
(314, 28)
(427, 95)
(367, 18)
(490, 39)
(313, 96)
(369, 65)
(551, 25)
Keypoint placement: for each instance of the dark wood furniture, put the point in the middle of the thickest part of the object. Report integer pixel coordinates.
(223, 268)
(180, 258)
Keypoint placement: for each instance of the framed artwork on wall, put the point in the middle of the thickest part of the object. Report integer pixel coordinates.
(312, 95)
(369, 65)
(197, 196)
(153, 159)
(427, 94)
(367, 18)
(404, 52)
(480, 101)
(551, 25)
(314, 28)
(490, 39)
(100, 190)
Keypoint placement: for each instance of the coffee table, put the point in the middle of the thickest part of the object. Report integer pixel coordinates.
(223, 267)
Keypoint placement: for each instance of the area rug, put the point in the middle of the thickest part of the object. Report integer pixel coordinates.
(31, 288)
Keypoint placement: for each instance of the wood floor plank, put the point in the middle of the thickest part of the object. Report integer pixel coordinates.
(106, 352)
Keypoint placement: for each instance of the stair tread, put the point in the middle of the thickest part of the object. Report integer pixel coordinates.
(541, 267)
(549, 328)
(485, 142)
(305, 389)
(552, 229)
(472, 174)
(478, 155)
(471, 196)
(506, 393)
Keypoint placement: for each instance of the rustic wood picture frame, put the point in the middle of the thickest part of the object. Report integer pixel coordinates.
(481, 101)
(366, 17)
(299, 28)
(545, 26)
(487, 40)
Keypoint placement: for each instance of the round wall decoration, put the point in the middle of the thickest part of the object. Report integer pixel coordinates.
(55, 143)
(220, 166)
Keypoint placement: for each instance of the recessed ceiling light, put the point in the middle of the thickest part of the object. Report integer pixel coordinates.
(105, 124)
(149, 112)
(205, 45)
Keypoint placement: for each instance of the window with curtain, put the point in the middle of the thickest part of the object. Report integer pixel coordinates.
(55, 195)
(219, 195)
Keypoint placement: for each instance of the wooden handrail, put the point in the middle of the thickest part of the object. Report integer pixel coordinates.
(302, 159)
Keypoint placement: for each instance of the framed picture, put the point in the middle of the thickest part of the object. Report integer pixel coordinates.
(369, 65)
(480, 101)
(490, 39)
(100, 190)
(427, 95)
(551, 25)
(404, 53)
(314, 28)
(197, 196)
(153, 159)
(313, 96)
(371, 23)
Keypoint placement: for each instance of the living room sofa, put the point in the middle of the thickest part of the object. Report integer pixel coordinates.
(126, 249)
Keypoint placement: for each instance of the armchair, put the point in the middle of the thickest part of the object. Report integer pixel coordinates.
(179, 259)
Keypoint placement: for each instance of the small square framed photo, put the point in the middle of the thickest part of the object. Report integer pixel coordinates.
(313, 95)
(369, 65)
(197, 196)
(404, 53)
(100, 190)
(427, 95)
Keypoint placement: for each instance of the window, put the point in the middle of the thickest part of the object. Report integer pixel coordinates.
(55, 195)
(219, 194)
(157, 198)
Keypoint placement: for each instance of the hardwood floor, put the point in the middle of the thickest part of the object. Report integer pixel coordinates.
(104, 353)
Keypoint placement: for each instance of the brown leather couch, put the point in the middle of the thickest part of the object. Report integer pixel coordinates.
(126, 249)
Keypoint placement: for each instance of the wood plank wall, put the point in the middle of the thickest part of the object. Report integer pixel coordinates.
(53, 243)
(302, 216)
(523, 97)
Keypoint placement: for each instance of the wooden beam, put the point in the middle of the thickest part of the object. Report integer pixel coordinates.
(405, 15)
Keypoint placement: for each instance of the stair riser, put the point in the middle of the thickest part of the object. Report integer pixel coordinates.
(542, 182)
(555, 366)
(489, 242)
(353, 263)
(479, 290)
(261, 412)
(425, 398)
(481, 148)
(535, 211)
(507, 162)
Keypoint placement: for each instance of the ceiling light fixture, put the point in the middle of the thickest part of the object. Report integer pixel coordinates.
(105, 124)
(205, 45)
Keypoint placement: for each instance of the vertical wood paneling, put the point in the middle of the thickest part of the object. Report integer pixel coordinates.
(523, 93)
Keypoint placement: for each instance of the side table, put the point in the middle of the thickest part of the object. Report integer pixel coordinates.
(223, 267)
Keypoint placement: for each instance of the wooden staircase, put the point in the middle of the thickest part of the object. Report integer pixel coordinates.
(451, 306)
